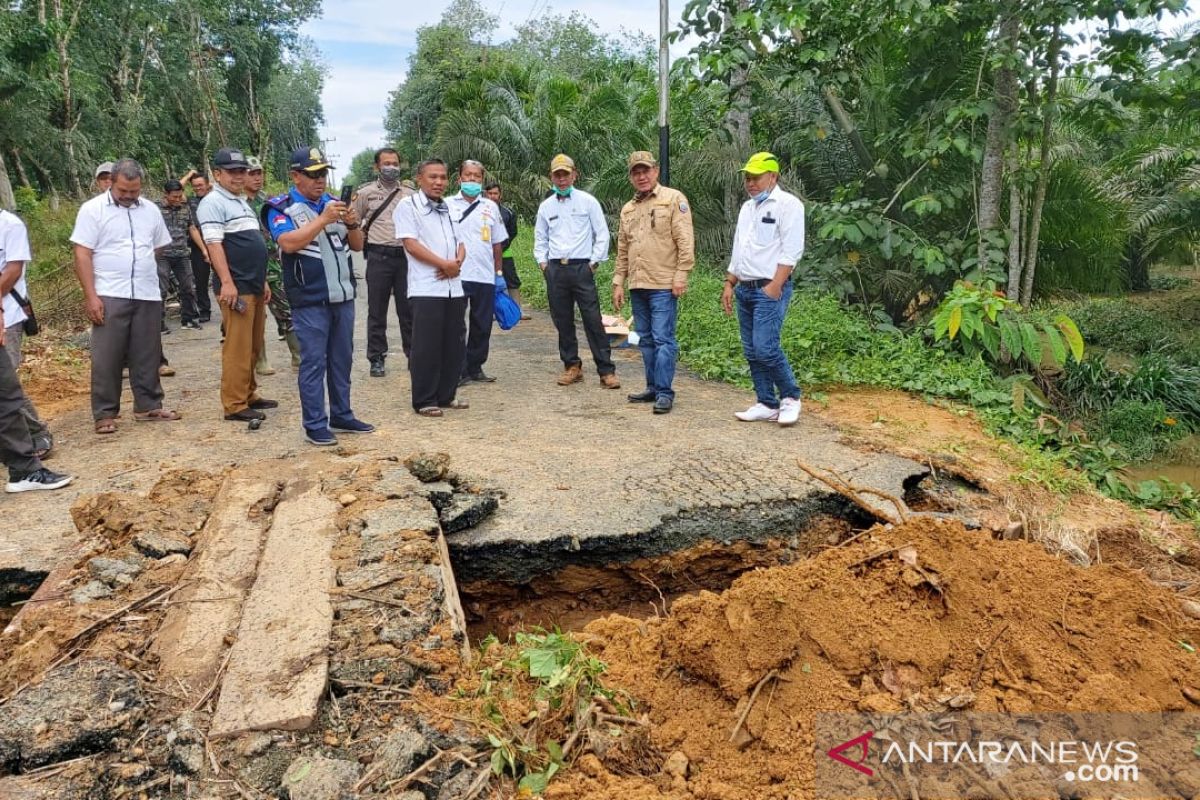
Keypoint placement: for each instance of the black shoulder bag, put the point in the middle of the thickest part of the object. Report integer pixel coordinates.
(375, 215)
(30, 325)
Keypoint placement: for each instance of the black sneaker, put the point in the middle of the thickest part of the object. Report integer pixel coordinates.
(663, 405)
(262, 403)
(351, 426)
(323, 438)
(377, 370)
(647, 396)
(482, 377)
(206, 318)
(245, 415)
(192, 324)
(37, 480)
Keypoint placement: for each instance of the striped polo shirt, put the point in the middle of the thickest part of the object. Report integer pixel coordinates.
(227, 218)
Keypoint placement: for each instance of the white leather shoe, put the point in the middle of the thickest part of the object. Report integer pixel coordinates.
(758, 413)
(789, 411)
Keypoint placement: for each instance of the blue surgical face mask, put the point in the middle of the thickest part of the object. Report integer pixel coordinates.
(471, 188)
(761, 196)
(563, 192)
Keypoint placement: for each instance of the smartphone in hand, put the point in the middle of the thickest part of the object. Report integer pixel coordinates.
(347, 193)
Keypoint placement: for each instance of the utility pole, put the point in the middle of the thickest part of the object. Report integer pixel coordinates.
(664, 94)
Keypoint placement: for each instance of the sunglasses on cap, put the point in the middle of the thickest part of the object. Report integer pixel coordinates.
(316, 174)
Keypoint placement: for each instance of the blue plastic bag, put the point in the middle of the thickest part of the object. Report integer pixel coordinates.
(508, 313)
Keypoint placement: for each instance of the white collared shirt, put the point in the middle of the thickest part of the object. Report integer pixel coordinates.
(122, 241)
(482, 228)
(14, 246)
(570, 227)
(416, 218)
(768, 234)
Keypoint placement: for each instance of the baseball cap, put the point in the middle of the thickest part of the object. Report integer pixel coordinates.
(562, 161)
(306, 159)
(253, 164)
(642, 157)
(761, 163)
(228, 158)
(105, 167)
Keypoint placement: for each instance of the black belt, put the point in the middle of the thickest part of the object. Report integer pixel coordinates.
(761, 282)
(385, 250)
(570, 261)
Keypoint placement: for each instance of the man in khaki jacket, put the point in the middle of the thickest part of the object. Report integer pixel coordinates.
(655, 254)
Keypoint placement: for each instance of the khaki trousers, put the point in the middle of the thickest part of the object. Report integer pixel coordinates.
(243, 343)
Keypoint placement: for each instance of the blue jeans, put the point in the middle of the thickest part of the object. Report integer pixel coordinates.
(654, 315)
(760, 320)
(326, 336)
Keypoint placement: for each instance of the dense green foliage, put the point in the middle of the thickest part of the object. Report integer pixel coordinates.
(84, 81)
(883, 129)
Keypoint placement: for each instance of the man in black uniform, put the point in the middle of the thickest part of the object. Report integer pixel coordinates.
(387, 263)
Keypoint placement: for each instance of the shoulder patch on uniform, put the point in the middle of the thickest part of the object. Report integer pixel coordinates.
(683, 207)
(278, 219)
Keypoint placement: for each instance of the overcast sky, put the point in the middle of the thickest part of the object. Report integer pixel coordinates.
(366, 45)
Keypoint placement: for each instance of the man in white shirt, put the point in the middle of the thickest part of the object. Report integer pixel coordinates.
(570, 239)
(766, 246)
(484, 235)
(436, 252)
(14, 255)
(116, 235)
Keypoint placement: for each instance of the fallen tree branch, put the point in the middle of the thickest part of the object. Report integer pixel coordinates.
(401, 784)
(879, 554)
(983, 656)
(215, 683)
(772, 675)
(855, 494)
(374, 599)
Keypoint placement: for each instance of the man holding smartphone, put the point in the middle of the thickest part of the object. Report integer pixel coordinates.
(316, 233)
(239, 259)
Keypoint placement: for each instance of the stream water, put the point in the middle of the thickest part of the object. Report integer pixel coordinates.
(1181, 465)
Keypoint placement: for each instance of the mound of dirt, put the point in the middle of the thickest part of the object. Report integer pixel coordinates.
(925, 616)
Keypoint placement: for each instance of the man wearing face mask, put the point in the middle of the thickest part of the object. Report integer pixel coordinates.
(766, 246)
(387, 263)
(570, 239)
(483, 231)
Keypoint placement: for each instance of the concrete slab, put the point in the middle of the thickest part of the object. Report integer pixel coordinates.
(190, 642)
(279, 665)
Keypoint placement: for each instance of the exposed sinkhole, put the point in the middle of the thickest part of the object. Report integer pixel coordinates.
(564, 583)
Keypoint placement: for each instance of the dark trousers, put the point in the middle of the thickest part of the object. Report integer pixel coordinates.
(181, 268)
(387, 279)
(200, 273)
(16, 445)
(326, 336)
(567, 286)
(481, 310)
(438, 346)
(129, 335)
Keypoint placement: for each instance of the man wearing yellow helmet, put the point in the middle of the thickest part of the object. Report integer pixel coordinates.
(766, 246)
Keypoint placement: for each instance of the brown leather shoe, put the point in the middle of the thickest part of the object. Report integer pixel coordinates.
(610, 381)
(572, 374)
